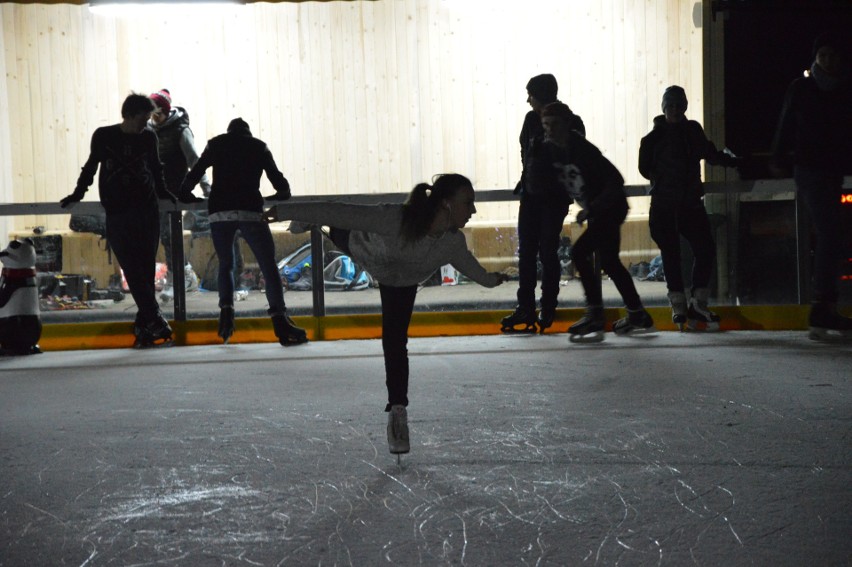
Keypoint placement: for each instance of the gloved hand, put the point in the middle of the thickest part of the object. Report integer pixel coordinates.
(188, 197)
(582, 216)
(74, 197)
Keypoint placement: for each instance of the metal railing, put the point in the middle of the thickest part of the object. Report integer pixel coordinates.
(747, 190)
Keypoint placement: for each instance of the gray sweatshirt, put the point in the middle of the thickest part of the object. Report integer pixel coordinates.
(375, 243)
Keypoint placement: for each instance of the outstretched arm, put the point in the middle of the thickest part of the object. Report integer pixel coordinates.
(380, 219)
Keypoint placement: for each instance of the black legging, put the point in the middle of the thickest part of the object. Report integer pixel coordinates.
(603, 235)
(397, 307)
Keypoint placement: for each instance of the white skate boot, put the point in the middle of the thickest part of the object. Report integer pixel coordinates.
(699, 316)
(398, 431)
(679, 308)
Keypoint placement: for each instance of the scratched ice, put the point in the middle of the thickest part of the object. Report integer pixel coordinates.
(524, 452)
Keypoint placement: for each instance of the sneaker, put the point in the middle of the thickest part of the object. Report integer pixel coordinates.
(398, 430)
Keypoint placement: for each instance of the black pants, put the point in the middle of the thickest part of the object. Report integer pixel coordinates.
(603, 235)
(668, 222)
(134, 238)
(540, 224)
(397, 307)
(821, 192)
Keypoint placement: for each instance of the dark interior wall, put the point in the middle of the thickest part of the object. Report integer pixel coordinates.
(767, 45)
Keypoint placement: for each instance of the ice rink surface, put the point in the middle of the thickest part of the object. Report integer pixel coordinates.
(674, 449)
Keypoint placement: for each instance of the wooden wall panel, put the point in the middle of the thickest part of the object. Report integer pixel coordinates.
(352, 97)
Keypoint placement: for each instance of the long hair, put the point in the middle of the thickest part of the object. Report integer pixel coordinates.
(424, 203)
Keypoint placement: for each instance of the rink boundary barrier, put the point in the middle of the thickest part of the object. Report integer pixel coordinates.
(195, 332)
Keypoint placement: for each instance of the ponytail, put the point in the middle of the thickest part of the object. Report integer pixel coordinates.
(424, 203)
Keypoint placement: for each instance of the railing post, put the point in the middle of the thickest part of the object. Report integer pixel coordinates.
(178, 264)
(318, 285)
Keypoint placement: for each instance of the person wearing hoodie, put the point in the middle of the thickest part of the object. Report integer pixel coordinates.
(670, 157)
(541, 215)
(816, 124)
(178, 155)
(235, 203)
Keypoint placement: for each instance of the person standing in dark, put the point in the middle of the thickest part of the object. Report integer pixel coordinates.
(670, 157)
(816, 124)
(540, 220)
(178, 155)
(235, 203)
(130, 185)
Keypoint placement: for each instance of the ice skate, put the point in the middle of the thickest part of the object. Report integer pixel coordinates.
(589, 329)
(155, 334)
(287, 332)
(637, 322)
(699, 317)
(521, 321)
(826, 324)
(679, 308)
(545, 319)
(226, 322)
(398, 431)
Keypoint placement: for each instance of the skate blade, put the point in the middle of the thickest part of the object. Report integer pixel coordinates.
(596, 337)
(637, 332)
(821, 334)
(293, 341)
(529, 329)
(695, 325)
(161, 343)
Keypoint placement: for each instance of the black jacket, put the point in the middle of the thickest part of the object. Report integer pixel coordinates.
(581, 173)
(816, 125)
(670, 157)
(532, 134)
(131, 176)
(238, 161)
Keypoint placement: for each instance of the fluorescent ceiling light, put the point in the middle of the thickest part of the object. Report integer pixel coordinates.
(133, 8)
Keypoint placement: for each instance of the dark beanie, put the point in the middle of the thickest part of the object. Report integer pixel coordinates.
(830, 39)
(675, 95)
(163, 99)
(238, 126)
(543, 88)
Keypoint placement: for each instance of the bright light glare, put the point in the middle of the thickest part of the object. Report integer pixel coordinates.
(140, 9)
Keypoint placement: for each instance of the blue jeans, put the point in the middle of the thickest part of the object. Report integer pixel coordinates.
(821, 192)
(259, 239)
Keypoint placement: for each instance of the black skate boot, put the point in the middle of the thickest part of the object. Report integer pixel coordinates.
(679, 308)
(521, 321)
(826, 324)
(699, 317)
(637, 322)
(546, 315)
(156, 333)
(287, 332)
(589, 329)
(226, 322)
